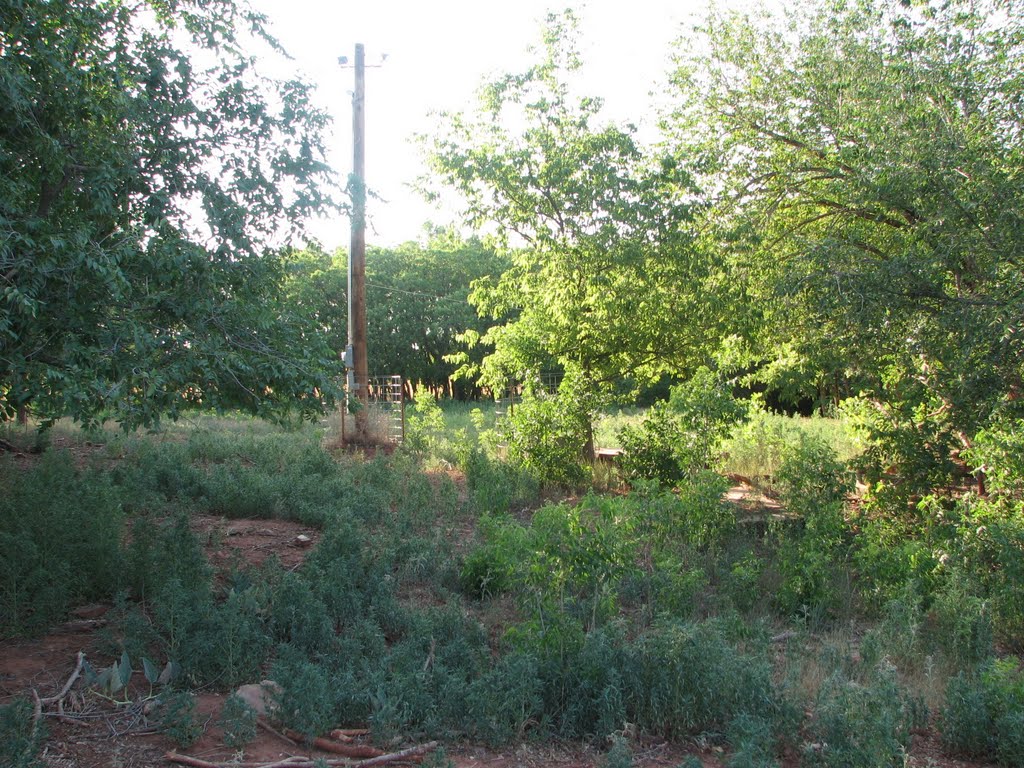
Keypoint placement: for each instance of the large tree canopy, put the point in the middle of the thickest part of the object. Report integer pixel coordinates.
(602, 283)
(870, 208)
(147, 173)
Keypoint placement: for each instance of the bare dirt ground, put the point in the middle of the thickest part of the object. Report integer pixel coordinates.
(87, 730)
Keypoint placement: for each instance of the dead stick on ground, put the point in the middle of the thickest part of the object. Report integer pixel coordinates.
(270, 729)
(305, 762)
(37, 711)
(292, 762)
(349, 750)
(194, 762)
(67, 686)
(411, 751)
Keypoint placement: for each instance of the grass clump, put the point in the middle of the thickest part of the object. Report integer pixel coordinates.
(20, 740)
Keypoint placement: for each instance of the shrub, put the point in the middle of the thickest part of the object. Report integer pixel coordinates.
(238, 722)
(653, 449)
(161, 551)
(20, 741)
(967, 724)
(684, 434)
(307, 701)
(498, 486)
(230, 644)
(507, 700)
(577, 554)
(984, 713)
(861, 724)
(898, 636)
(812, 485)
(178, 718)
(425, 427)
(752, 740)
(619, 756)
(962, 623)
(1000, 450)
(988, 543)
(60, 534)
(546, 435)
(685, 678)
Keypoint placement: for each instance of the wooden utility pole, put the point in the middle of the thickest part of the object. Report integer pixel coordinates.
(357, 253)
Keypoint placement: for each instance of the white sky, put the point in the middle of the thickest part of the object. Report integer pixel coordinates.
(438, 53)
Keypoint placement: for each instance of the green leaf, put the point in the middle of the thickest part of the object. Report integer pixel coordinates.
(150, 670)
(170, 672)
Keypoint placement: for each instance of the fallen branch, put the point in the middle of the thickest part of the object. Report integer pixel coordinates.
(194, 762)
(82, 625)
(327, 745)
(38, 703)
(390, 758)
(347, 734)
(307, 762)
(37, 711)
(271, 730)
(67, 686)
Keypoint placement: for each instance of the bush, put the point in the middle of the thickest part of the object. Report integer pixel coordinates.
(811, 485)
(498, 487)
(547, 435)
(752, 740)
(238, 722)
(60, 542)
(984, 713)
(988, 539)
(1000, 450)
(270, 475)
(861, 725)
(573, 558)
(683, 435)
(492, 567)
(685, 679)
(962, 623)
(507, 700)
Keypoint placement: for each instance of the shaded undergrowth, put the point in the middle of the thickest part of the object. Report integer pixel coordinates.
(430, 611)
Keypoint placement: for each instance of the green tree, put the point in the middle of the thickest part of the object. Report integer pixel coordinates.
(602, 284)
(148, 171)
(868, 206)
(417, 302)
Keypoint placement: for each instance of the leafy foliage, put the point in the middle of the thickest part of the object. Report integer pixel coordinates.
(417, 303)
(20, 741)
(861, 724)
(148, 171)
(865, 210)
(594, 289)
(547, 435)
(984, 712)
(683, 435)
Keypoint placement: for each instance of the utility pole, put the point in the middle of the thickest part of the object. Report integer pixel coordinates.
(360, 378)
